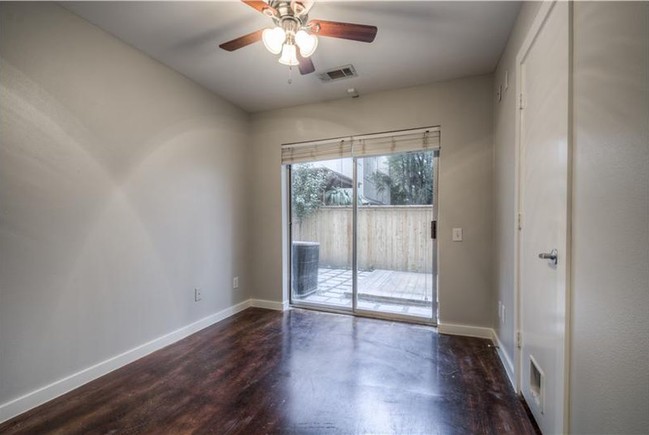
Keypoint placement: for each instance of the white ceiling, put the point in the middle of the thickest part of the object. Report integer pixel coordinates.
(417, 42)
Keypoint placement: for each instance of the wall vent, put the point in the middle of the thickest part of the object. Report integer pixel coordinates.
(339, 73)
(537, 384)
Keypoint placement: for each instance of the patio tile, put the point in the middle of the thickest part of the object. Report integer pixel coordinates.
(395, 291)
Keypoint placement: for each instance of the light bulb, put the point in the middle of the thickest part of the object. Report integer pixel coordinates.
(273, 39)
(289, 55)
(307, 43)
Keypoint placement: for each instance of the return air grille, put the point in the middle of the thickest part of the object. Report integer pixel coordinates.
(342, 72)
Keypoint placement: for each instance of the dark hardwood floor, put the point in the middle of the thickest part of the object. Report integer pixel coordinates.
(296, 372)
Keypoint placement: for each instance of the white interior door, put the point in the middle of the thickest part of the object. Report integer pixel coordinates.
(543, 204)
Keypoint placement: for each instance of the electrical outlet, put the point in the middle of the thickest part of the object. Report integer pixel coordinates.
(235, 282)
(198, 295)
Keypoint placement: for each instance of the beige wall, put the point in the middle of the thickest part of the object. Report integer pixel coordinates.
(463, 110)
(504, 113)
(122, 187)
(610, 295)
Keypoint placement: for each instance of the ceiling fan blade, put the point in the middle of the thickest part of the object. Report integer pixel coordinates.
(242, 41)
(261, 6)
(334, 29)
(306, 64)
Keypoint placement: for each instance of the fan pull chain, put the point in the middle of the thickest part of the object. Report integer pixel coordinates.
(290, 73)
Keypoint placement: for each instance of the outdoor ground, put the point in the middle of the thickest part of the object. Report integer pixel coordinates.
(386, 291)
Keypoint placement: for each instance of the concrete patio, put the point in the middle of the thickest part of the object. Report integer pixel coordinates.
(386, 291)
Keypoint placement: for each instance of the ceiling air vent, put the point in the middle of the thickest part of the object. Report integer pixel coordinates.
(342, 72)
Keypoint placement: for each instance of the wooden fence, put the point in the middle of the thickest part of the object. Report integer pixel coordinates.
(389, 237)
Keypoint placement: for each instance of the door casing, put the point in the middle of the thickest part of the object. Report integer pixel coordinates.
(537, 25)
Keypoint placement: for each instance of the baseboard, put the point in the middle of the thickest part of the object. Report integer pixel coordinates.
(269, 305)
(465, 330)
(504, 358)
(35, 398)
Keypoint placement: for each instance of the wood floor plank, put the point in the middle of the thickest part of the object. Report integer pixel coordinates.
(299, 371)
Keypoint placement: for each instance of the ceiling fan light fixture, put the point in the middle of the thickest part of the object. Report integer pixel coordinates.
(273, 39)
(292, 30)
(306, 42)
(289, 55)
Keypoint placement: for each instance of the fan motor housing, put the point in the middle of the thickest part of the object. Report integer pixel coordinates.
(288, 10)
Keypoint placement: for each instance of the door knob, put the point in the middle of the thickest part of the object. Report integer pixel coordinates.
(552, 255)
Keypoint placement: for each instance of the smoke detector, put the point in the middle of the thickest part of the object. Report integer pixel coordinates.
(352, 92)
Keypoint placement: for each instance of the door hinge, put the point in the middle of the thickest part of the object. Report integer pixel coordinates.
(519, 224)
(519, 339)
(521, 105)
(433, 230)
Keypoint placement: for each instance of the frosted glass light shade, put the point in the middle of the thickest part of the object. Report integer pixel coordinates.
(306, 42)
(273, 39)
(289, 55)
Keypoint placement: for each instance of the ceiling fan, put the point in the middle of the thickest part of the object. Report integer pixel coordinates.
(293, 35)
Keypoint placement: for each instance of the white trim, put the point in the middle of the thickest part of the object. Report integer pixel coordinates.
(465, 330)
(44, 394)
(269, 305)
(539, 19)
(538, 22)
(505, 359)
(49, 392)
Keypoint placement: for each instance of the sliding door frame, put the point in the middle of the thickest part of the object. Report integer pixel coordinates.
(289, 232)
(395, 316)
(354, 310)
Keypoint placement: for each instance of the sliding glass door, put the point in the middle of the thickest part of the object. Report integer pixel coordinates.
(394, 234)
(321, 213)
(362, 221)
